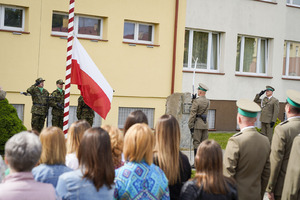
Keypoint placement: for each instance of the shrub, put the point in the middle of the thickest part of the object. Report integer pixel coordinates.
(10, 123)
(278, 121)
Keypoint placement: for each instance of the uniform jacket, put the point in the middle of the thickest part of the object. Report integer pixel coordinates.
(83, 110)
(57, 98)
(39, 100)
(270, 109)
(291, 188)
(246, 159)
(282, 141)
(200, 106)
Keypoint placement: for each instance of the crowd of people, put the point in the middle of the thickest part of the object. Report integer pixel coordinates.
(140, 163)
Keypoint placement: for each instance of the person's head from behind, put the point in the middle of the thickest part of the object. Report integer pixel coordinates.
(139, 143)
(135, 117)
(167, 135)
(117, 142)
(95, 158)
(209, 167)
(22, 151)
(75, 134)
(53, 146)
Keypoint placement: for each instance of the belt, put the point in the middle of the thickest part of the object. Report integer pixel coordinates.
(38, 104)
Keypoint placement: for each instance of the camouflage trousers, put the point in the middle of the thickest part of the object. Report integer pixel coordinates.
(199, 135)
(58, 120)
(37, 122)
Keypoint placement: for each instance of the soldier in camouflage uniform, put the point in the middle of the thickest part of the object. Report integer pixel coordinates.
(84, 111)
(57, 103)
(39, 110)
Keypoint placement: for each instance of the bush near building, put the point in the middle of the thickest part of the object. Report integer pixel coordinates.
(10, 123)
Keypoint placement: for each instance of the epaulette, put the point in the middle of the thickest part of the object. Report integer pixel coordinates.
(286, 121)
(237, 134)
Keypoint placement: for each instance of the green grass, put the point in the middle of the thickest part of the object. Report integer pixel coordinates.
(221, 138)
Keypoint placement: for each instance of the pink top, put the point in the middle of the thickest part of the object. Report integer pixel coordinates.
(21, 185)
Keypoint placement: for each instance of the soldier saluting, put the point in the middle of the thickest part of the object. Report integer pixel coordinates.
(269, 112)
(57, 103)
(40, 106)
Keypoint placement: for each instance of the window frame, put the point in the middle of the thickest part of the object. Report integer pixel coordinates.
(291, 3)
(10, 28)
(136, 33)
(190, 66)
(76, 22)
(287, 60)
(258, 45)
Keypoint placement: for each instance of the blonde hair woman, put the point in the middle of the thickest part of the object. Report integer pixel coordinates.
(52, 160)
(209, 181)
(139, 178)
(167, 155)
(117, 141)
(75, 134)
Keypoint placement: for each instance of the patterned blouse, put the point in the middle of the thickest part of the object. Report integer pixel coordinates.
(140, 181)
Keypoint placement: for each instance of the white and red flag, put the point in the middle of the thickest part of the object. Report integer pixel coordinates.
(95, 90)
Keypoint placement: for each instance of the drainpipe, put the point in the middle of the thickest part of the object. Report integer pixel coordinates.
(174, 47)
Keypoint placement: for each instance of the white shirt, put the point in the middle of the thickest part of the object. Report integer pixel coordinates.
(72, 161)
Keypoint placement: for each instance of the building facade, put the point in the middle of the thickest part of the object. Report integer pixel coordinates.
(137, 46)
(241, 46)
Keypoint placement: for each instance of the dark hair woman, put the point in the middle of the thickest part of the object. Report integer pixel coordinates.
(95, 176)
(134, 117)
(209, 182)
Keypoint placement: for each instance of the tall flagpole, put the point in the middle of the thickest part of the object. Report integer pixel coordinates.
(68, 66)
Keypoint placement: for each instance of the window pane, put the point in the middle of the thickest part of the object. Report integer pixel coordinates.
(60, 23)
(13, 17)
(20, 110)
(250, 53)
(186, 48)
(145, 32)
(284, 58)
(296, 2)
(294, 59)
(200, 44)
(238, 54)
(124, 112)
(89, 26)
(129, 30)
(262, 66)
(211, 116)
(214, 52)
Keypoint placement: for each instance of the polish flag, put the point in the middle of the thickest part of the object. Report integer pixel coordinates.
(94, 88)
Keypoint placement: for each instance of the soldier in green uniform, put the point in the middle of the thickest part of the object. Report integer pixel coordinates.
(39, 109)
(198, 117)
(246, 158)
(283, 138)
(57, 103)
(270, 110)
(84, 111)
(291, 187)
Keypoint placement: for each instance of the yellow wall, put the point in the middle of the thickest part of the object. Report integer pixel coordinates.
(140, 76)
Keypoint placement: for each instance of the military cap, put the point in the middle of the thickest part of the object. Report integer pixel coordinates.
(60, 82)
(202, 87)
(247, 108)
(293, 98)
(39, 80)
(270, 88)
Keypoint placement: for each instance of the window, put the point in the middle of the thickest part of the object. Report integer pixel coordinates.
(72, 117)
(252, 55)
(293, 2)
(138, 32)
(124, 112)
(291, 59)
(202, 45)
(12, 18)
(20, 110)
(211, 116)
(89, 27)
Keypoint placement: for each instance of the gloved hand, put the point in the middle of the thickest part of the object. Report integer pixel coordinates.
(272, 124)
(262, 92)
(25, 93)
(194, 96)
(192, 131)
(37, 83)
(60, 106)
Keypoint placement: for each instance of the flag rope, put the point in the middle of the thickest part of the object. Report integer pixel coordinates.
(68, 66)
